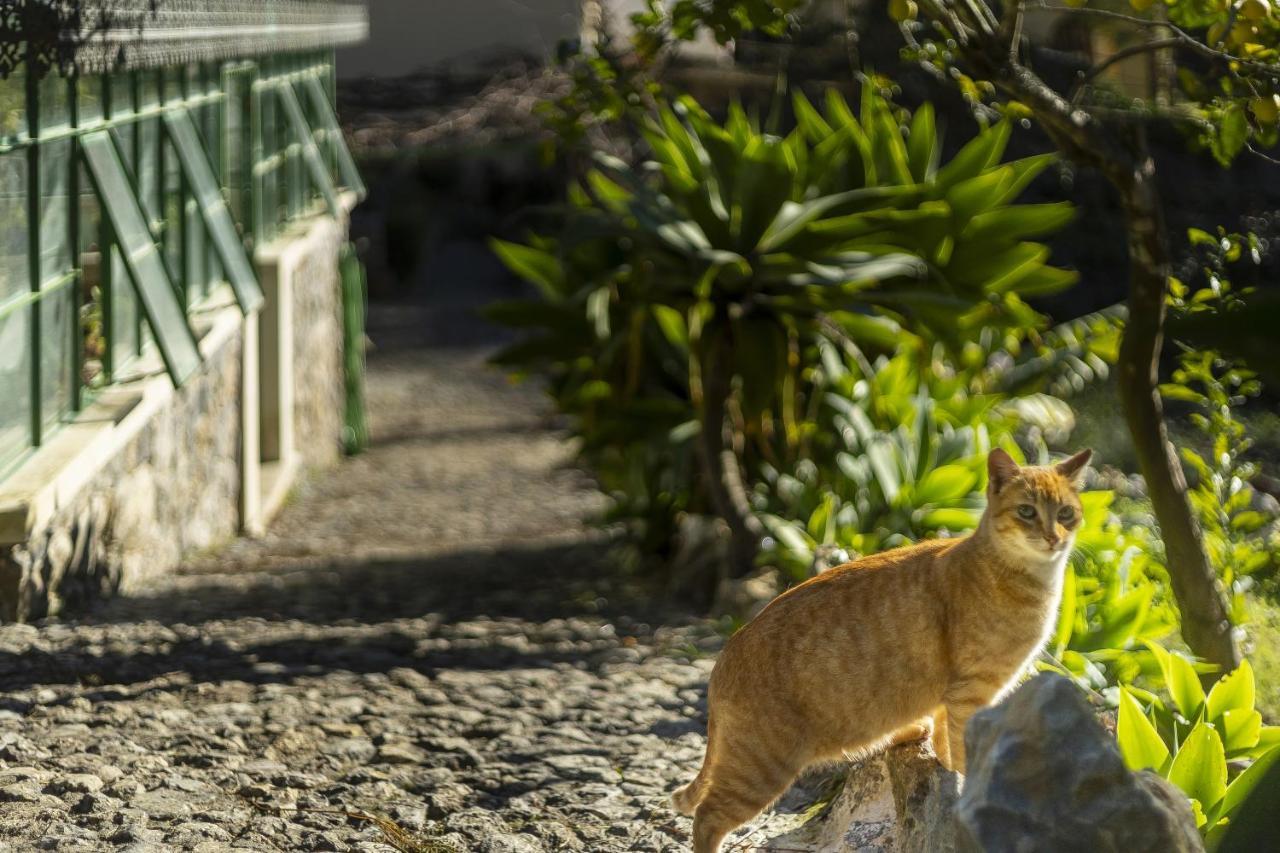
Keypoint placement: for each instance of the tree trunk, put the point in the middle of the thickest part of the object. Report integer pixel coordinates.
(1206, 623)
(720, 466)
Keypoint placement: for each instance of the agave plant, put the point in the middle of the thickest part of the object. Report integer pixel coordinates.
(899, 454)
(1214, 747)
(683, 297)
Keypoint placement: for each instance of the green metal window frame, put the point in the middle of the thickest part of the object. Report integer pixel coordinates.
(127, 197)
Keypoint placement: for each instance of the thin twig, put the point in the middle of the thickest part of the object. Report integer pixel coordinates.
(1132, 50)
(1185, 39)
(1261, 154)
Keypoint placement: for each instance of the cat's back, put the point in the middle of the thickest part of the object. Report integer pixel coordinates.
(891, 584)
(864, 576)
(878, 615)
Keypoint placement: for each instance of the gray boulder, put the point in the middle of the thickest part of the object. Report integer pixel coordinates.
(1045, 776)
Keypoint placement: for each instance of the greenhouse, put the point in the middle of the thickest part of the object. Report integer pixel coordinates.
(175, 194)
(143, 156)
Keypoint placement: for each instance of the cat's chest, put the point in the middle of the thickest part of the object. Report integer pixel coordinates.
(1009, 628)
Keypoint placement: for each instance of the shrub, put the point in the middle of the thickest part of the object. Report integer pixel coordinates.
(684, 301)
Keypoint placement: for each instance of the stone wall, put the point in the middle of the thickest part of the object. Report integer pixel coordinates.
(158, 473)
(174, 487)
(319, 396)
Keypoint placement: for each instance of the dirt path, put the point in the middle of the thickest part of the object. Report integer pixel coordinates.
(429, 632)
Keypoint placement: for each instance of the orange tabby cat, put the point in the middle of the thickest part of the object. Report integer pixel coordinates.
(886, 649)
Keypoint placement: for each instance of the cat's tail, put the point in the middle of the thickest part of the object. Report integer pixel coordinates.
(687, 798)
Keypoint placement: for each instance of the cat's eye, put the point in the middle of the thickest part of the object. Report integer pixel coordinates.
(1066, 514)
(1026, 511)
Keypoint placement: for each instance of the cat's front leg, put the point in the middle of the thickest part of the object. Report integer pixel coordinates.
(963, 699)
(941, 746)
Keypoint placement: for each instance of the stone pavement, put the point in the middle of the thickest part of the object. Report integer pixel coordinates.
(430, 632)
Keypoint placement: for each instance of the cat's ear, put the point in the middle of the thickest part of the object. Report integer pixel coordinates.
(1000, 469)
(1073, 468)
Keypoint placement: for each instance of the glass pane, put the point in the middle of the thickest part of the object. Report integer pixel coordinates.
(55, 355)
(147, 273)
(173, 79)
(196, 272)
(319, 100)
(173, 216)
(125, 322)
(55, 180)
(199, 175)
(316, 168)
(148, 166)
(13, 106)
(15, 382)
(149, 88)
(126, 134)
(89, 99)
(54, 101)
(92, 324)
(14, 271)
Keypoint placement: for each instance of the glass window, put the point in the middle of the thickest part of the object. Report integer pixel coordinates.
(14, 270)
(89, 96)
(348, 174)
(126, 321)
(148, 166)
(146, 269)
(174, 211)
(316, 168)
(55, 181)
(15, 381)
(199, 175)
(13, 107)
(55, 101)
(56, 366)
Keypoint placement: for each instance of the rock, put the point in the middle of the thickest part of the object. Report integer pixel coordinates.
(900, 801)
(399, 753)
(1044, 775)
(924, 797)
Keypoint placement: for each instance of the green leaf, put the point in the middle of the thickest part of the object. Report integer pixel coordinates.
(1244, 784)
(1200, 767)
(789, 535)
(951, 518)
(1140, 743)
(672, 324)
(1233, 692)
(1182, 683)
(880, 455)
(809, 119)
(977, 156)
(1233, 133)
(1119, 620)
(1066, 612)
(946, 483)
(763, 185)
(1240, 729)
(922, 145)
(598, 311)
(1018, 221)
(535, 266)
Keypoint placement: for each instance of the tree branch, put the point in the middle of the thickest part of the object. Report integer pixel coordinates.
(1132, 50)
(1184, 38)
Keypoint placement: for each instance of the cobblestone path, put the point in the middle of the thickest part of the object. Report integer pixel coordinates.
(429, 632)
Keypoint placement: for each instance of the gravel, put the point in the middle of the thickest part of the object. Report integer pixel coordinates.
(429, 633)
